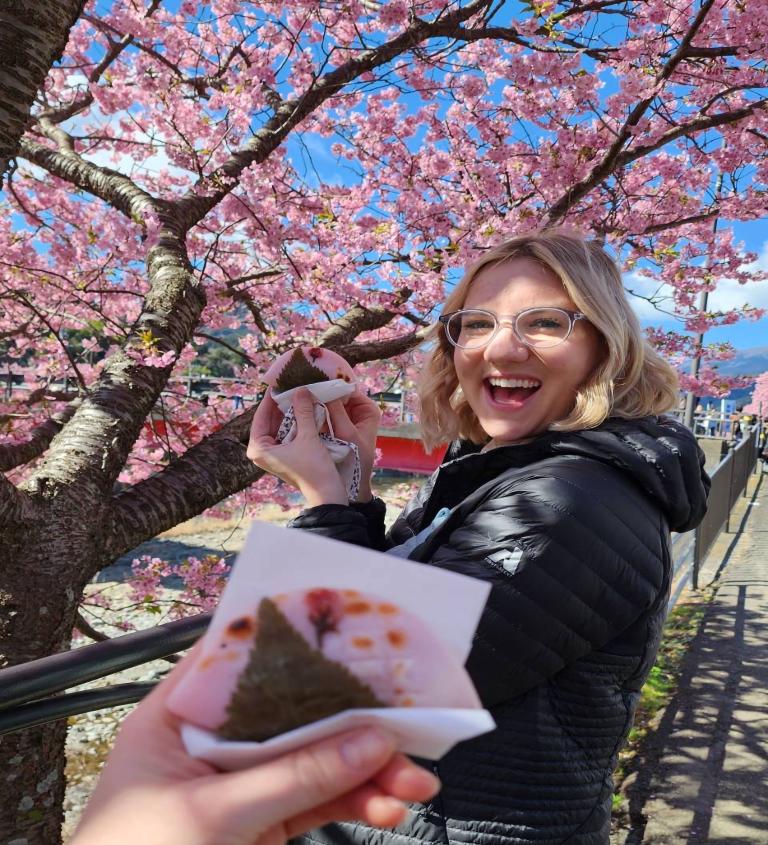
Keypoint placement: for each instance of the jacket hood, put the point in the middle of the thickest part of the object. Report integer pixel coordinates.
(659, 454)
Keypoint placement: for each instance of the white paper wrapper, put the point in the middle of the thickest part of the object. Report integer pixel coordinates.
(344, 454)
(427, 732)
(323, 391)
(277, 560)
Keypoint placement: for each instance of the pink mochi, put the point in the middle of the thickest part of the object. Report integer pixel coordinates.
(330, 362)
(389, 649)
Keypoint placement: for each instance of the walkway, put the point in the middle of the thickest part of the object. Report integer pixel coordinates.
(704, 776)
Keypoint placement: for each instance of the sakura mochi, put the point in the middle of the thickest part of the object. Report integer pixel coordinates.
(309, 654)
(307, 365)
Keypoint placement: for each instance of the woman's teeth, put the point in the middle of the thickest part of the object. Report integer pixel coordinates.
(513, 392)
(513, 382)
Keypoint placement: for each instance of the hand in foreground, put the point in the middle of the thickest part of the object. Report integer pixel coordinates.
(151, 790)
(304, 462)
(356, 419)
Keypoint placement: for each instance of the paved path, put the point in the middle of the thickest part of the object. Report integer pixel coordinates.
(704, 776)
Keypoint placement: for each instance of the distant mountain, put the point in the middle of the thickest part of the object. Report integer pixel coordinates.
(747, 362)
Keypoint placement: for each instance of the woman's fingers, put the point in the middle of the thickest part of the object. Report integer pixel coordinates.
(343, 426)
(266, 421)
(297, 782)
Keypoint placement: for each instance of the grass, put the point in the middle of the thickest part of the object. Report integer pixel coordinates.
(680, 629)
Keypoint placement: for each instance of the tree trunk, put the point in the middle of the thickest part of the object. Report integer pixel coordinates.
(33, 34)
(45, 562)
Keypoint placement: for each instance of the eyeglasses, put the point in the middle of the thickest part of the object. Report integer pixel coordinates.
(536, 327)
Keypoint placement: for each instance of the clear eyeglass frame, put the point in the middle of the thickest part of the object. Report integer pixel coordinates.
(512, 321)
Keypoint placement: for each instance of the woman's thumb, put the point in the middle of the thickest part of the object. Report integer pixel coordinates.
(304, 412)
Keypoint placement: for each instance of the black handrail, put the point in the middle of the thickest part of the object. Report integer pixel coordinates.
(62, 706)
(37, 679)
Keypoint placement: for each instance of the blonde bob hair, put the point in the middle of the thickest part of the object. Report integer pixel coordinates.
(631, 381)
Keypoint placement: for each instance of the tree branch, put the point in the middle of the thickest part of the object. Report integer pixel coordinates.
(109, 185)
(358, 353)
(214, 339)
(32, 37)
(15, 506)
(204, 475)
(95, 445)
(361, 319)
(16, 454)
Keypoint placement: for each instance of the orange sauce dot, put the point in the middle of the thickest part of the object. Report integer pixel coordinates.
(362, 642)
(357, 607)
(350, 594)
(386, 608)
(397, 639)
(407, 702)
(242, 628)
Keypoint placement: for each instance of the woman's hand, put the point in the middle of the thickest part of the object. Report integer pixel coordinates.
(357, 419)
(152, 791)
(303, 462)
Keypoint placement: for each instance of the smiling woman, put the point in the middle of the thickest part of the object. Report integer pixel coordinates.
(587, 356)
(560, 488)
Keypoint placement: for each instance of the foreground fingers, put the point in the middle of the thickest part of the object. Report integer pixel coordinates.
(250, 801)
(378, 802)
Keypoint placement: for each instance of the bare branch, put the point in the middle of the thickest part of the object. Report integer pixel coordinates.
(361, 319)
(377, 350)
(114, 188)
(226, 345)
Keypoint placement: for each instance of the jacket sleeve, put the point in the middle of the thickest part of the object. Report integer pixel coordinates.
(360, 524)
(574, 553)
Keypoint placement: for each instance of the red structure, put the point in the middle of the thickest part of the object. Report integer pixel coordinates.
(402, 449)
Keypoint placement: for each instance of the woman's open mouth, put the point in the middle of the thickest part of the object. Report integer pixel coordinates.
(511, 392)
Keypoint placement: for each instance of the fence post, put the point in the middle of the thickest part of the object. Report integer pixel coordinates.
(696, 557)
(731, 462)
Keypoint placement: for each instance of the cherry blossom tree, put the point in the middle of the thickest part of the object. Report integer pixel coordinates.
(315, 172)
(758, 404)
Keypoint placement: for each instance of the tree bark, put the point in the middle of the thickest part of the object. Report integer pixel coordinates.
(44, 558)
(33, 34)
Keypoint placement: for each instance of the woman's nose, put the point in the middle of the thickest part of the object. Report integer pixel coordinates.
(506, 345)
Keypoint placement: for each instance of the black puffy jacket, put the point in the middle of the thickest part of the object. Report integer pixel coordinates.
(572, 531)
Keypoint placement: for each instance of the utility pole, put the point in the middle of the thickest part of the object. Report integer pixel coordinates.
(690, 397)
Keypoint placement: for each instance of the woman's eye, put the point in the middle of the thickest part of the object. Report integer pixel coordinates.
(477, 325)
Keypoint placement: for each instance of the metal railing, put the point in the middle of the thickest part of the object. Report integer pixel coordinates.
(729, 481)
(28, 691)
